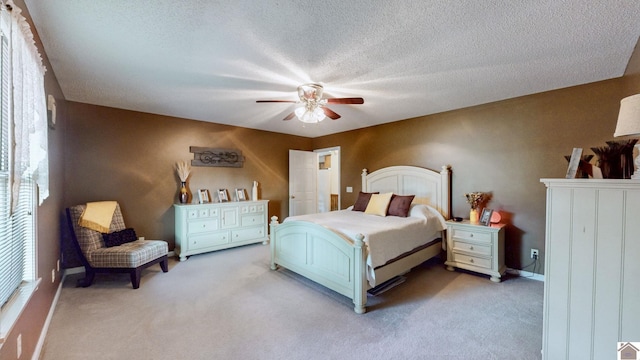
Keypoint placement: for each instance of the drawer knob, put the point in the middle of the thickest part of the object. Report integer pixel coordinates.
(470, 247)
(471, 235)
(471, 261)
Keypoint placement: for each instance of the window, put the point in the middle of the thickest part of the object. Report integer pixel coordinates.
(23, 163)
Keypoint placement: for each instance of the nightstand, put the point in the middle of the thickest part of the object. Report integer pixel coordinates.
(476, 248)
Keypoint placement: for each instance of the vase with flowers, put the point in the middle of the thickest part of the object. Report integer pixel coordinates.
(183, 169)
(475, 200)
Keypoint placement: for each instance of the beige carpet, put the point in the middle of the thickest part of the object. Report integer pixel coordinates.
(229, 305)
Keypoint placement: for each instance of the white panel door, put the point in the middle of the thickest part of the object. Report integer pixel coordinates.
(303, 168)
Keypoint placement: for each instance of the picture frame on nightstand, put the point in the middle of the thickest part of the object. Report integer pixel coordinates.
(485, 217)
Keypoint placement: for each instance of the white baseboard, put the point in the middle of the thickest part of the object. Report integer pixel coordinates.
(47, 322)
(526, 274)
(71, 271)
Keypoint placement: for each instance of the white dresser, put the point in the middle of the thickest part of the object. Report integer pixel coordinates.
(477, 248)
(207, 227)
(592, 268)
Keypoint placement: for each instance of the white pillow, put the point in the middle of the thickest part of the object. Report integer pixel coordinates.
(428, 212)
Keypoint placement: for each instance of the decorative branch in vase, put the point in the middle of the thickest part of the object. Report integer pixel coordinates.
(475, 200)
(183, 169)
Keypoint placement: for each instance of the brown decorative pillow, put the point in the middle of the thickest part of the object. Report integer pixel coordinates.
(400, 205)
(117, 238)
(363, 201)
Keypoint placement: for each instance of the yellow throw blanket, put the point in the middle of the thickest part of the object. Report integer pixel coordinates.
(97, 216)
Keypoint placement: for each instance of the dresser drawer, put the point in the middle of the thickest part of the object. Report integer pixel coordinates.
(472, 248)
(463, 234)
(248, 220)
(246, 209)
(248, 234)
(201, 226)
(202, 213)
(472, 260)
(208, 240)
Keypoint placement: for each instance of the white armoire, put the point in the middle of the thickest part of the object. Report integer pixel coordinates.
(592, 267)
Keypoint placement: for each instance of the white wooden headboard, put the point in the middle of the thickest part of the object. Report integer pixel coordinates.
(430, 187)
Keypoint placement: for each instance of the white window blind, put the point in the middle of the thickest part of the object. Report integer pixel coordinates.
(23, 161)
(7, 284)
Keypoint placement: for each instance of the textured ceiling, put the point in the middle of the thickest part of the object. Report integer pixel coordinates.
(211, 60)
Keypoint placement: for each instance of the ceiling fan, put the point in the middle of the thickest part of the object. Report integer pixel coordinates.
(314, 106)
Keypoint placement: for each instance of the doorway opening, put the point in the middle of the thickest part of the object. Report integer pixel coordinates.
(328, 188)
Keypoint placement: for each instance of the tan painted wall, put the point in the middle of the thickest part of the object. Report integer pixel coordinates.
(130, 157)
(503, 148)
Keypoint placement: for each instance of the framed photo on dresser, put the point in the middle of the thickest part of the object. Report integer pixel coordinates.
(203, 196)
(485, 218)
(574, 163)
(222, 195)
(241, 195)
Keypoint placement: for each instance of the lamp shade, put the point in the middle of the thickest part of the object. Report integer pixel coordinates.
(629, 116)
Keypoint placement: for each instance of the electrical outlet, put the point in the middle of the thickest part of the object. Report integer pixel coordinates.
(19, 345)
(534, 253)
(53, 275)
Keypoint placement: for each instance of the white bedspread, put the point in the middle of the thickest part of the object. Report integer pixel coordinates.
(385, 237)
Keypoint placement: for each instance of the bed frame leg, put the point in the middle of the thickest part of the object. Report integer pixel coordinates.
(360, 290)
(272, 241)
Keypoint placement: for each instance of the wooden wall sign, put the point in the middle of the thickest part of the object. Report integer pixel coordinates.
(203, 156)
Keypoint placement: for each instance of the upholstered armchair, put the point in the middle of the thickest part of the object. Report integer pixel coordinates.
(115, 250)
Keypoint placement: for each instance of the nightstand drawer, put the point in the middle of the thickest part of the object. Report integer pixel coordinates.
(473, 249)
(463, 234)
(472, 260)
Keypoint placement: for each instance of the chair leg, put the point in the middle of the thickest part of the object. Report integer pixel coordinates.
(88, 278)
(164, 264)
(135, 277)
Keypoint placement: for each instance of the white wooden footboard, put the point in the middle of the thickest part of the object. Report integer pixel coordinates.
(321, 255)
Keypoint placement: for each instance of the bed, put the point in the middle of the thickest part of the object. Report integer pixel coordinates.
(339, 259)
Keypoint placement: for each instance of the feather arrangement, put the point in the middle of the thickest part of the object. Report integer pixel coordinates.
(183, 169)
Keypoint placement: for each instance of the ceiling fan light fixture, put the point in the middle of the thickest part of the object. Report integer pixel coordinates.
(312, 107)
(310, 115)
(310, 92)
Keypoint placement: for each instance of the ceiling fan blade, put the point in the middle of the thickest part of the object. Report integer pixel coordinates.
(290, 116)
(357, 100)
(276, 101)
(330, 113)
